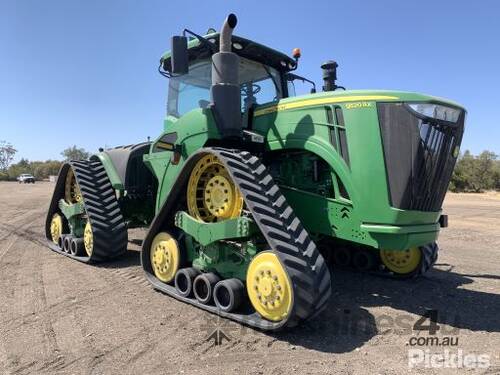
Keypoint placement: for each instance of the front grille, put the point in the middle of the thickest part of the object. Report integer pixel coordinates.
(420, 154)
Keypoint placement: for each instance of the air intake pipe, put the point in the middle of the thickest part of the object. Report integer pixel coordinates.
(226, 97)
(329, 75)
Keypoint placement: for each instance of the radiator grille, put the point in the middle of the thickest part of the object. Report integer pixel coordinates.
(420, 154)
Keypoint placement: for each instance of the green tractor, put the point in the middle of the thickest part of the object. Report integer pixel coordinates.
(251, 192)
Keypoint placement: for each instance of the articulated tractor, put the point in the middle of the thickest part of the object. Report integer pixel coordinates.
(250, 193)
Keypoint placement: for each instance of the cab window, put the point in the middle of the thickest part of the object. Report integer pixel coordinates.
(259, 84)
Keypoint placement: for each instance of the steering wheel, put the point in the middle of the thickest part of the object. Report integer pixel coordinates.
(250, 90)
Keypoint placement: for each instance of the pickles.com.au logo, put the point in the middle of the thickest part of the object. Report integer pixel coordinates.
(447, 359)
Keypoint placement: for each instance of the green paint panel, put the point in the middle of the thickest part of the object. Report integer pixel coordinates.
(207, 233)
(325, 150)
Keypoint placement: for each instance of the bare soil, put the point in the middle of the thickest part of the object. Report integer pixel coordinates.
(61, 316)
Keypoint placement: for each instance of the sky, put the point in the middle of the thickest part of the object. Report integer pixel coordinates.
(85, 72)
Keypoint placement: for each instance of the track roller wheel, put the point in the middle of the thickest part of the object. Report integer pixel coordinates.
(165, 257)
(269, 287)
(229, 294)
(363, 260)
(60, 242)
(410, 262)
(203, 287)
(66, 244)
(342, 256)
(56, 228)
(76, 246)
(88, 239)
(402, 262)
(184, 279)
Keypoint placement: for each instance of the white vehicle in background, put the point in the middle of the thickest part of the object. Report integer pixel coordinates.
(26, 178)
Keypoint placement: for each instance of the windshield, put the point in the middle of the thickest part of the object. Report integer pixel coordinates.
(259, 84)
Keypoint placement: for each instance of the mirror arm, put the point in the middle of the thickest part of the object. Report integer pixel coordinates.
(295, 76)
(202, 40)
(163, 72)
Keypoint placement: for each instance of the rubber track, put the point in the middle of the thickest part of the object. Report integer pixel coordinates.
(308, 272)
(101, 207)
(429, 259)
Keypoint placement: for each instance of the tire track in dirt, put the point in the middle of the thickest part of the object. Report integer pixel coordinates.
(5, 249)
(14, 231)
(10, 265)
(30, 298)
(3, 359)
(78, 277)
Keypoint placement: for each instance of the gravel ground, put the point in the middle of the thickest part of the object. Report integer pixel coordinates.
(61, 316)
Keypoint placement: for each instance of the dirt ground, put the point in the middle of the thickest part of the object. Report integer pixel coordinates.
(61, 316)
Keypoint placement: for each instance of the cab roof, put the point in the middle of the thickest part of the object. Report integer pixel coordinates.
(243, 47)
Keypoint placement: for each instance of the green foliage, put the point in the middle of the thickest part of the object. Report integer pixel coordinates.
(7, 152)
(476, 173)
(75, 153)
(40, 169)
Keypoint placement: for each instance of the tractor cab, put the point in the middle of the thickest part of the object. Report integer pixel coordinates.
(263, 75)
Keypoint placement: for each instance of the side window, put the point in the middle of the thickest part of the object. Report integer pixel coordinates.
(291, 88)
(259, 83)
(191, 96)
(267, 91)
(190, 91)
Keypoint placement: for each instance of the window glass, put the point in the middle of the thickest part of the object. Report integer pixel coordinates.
(298, 86)
(291, 88)
(191, 90)
(259, 84)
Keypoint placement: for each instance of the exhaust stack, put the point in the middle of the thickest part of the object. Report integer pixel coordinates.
(329, 75)
(226, 97)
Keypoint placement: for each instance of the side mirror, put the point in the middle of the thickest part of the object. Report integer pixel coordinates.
(179, 55)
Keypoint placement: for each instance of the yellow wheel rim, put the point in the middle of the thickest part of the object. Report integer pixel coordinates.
(88, 238)
(56, 228)
(211, 194)
(165, 256)
(72, 192)
(269, 287)
(401, 261)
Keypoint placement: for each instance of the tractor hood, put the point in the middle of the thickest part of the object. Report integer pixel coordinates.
(356, 97)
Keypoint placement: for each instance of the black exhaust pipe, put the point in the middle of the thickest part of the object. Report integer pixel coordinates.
(226, 97)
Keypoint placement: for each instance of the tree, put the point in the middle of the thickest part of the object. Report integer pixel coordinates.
(75, 153)
(476, 173)
(40, 169)
(485, 170)
(7, 153)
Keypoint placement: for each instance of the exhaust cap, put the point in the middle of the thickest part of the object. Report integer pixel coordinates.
(226, 33)
(232, 20)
